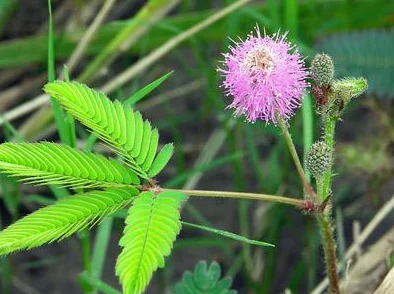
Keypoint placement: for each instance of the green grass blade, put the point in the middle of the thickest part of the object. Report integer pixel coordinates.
(100, 249)
(291, 16)
(146, 90)
(98, 284)
(228, 235)
(63, 123)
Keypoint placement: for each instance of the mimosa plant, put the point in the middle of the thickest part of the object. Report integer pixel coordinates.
(266, 77)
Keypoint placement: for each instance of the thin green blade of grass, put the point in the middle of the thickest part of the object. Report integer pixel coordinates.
(152, 11)
(70, 122)
(98, 284)
(136, 97)
(291, 16)
(100, 249)
(228, 234)
(60, 117)
(11, 131)
(274, 12)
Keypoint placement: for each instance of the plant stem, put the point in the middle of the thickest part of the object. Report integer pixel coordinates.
(324, 218)
(289, 141)
(329, 130)
(242, 195)
(328, 243)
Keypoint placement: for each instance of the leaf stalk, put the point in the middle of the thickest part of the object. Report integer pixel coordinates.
(242, 195)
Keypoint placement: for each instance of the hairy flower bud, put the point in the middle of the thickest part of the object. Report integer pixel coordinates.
(318, 158)
(349, 88)
(322, 70)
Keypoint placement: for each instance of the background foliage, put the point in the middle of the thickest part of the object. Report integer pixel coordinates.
(213, 151)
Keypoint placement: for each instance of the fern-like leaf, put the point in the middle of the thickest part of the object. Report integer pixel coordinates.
(204, 279)
(51, 163)
(152, 225)
(64, 218)
(115, 123)
(368, 54)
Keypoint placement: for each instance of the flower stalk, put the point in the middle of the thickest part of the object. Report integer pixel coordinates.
(290, 144)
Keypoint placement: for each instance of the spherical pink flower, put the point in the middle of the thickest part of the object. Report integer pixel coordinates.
(266, 76)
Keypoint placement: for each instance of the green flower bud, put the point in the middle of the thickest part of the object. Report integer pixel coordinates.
(349, 88)
(322, 70)
(318, 159)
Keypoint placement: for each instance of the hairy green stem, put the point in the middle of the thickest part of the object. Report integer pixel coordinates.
(242, 195)
(330, 258)
(324, 218)
(329, 130)
(289, 141)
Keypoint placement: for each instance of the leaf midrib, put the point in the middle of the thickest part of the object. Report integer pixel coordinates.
(145, 239)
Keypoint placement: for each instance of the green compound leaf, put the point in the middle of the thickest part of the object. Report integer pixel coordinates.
(64, 218)
(368, 54)
(115, 123)
(51, 163)
(151, 228)
(203, 280)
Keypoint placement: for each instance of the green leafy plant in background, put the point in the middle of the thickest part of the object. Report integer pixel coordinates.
(204, 279)
(368, 53)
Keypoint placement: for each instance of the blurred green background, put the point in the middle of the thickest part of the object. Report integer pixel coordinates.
(131, 43)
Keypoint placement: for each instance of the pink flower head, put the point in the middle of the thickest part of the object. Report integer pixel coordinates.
(264, 77)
